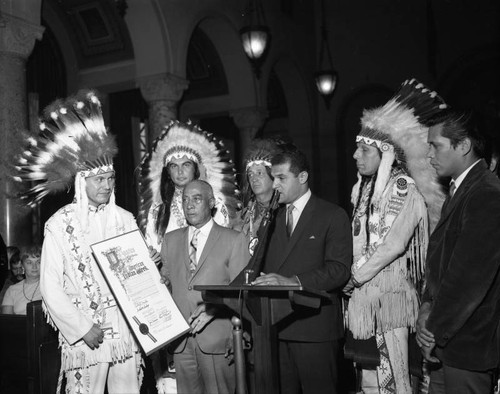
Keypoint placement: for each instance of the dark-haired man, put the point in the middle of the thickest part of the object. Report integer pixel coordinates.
(311, 245)
(458, 320)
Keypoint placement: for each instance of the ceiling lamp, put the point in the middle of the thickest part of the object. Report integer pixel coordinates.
(326, 77)
(255, 35)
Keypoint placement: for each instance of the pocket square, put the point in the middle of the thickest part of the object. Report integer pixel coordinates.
(312, 237)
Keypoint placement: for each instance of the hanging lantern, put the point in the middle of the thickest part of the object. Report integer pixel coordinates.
(255, 35)
(254, 39)
(326, 78)
(326, 81)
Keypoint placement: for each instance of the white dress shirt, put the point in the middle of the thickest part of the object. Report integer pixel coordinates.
(462, 176)
(202, 237)
(299, 206)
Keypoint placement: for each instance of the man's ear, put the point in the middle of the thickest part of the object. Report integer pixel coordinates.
(211, 202)
(303, 177)
(465, 146)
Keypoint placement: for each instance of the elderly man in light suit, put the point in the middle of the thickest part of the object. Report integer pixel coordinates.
(203, 253)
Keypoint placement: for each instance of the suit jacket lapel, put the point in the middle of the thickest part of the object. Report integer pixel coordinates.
(185, 247)
(469, 180)
(280, 238)
(305, 218)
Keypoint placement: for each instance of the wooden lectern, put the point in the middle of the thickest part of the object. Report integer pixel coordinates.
(264, 307)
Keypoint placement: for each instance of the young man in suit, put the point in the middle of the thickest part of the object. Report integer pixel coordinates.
(310, 245)
(203, 253)
(458, 320)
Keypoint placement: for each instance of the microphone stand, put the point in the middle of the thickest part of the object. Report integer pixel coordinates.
(246, 277)
(254, 266)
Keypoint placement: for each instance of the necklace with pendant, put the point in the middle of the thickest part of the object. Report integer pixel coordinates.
(33, 295)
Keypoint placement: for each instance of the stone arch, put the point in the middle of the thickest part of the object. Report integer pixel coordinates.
(153, 47)
(51, 17)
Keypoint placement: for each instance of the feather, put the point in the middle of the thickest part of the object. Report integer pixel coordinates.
(179, 139)
(72, 138)
(403, 122)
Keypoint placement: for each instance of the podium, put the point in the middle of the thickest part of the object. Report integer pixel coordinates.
(264, 307)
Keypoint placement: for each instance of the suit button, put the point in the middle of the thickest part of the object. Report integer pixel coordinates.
(190, 287)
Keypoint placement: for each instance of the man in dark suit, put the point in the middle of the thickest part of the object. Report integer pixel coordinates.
(310, 245)
(459, 319)
(203, 253)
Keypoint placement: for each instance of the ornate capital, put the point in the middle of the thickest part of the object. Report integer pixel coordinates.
(162, 87)
(251, 118)
(17, 36)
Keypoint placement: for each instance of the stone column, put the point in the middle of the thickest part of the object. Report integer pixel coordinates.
(249, 121)
(17, 39)
(162, 93)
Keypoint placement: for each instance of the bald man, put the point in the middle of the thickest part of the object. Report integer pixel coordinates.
(203, 253)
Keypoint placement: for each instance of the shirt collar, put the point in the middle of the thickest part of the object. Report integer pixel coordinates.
(301, 202)
(204, 230)
(462, 176)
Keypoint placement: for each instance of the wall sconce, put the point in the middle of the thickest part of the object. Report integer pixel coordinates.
(255, 35)
(326, 77)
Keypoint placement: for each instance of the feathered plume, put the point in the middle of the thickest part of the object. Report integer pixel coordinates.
(72, 138)
(186, 139)
(403, 123)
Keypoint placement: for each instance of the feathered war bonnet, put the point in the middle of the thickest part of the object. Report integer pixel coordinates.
(72, 145)
(261, 151)
(399, 130)
(177, 140)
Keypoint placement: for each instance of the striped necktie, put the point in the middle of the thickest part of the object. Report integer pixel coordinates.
(193, 247)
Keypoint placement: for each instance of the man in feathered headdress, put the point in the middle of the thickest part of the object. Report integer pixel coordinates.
(182, 153)
(96, 343)
(258, 189)
(390, 235)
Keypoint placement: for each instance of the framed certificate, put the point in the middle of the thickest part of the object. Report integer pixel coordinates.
(134, 280)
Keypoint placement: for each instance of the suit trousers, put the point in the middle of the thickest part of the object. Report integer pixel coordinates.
(449, 380)
(200, 373)
(308, 367)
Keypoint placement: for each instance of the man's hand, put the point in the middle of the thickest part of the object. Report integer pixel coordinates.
(425, 338)
(155, 256)
(348, 288)
(427, 353)
(199, 319)
(229, 353)
(164, 276)
(94, 337)
(275, 280)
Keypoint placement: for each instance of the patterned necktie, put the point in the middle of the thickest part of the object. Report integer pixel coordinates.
(193, 246)
(289, 220)
(453, 188)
